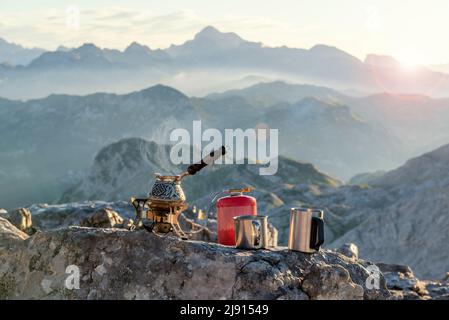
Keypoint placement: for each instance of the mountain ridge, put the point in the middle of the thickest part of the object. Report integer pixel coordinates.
(46, 126)
(213, 52)
(409, 223)
(17, 54)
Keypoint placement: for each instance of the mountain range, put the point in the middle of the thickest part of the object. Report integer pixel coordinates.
(418, 121)
(54, 140)
(212, 59)
(46, 143)
(14, 54)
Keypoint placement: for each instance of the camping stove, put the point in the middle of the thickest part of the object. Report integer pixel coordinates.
(160, 212)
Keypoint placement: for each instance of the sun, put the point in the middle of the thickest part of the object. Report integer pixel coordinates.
(410, 60)
(409, 64)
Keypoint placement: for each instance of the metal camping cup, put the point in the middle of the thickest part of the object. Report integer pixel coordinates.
(251, 232)
(306, 230)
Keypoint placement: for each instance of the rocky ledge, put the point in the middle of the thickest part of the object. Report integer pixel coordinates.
(121, 264)
(404, 285)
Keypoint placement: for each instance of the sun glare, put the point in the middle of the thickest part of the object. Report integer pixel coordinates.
(409, 60)
(409, 64)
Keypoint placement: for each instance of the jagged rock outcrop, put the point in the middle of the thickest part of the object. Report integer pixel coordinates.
(404, 285)
(402, 282)
(350, 250)
(402, 216)
(51, 217)
(10, 234)
(122, 264)
(21, 219)
(105, 218)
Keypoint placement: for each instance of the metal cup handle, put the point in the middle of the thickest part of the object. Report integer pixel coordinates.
(257, 231)
(317, 233)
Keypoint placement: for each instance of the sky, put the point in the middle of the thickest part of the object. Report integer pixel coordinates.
(413, 31)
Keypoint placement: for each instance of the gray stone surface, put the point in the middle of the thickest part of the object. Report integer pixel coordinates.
(20, 218)
(104, 218)
(9, 233)
(350, 250)
(122, 264)
(404, 285)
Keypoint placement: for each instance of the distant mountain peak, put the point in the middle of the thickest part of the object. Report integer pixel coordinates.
(161, 91)
(123, 148)
(3, 41)
(137, 47)
(211, 33)
(88, 45)
(88, 48)
(326, 50)
(381, 61)
(429, 169)
(208, 31)
(62, 48)
(17, 54)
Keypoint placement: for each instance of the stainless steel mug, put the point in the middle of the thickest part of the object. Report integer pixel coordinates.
(251, 232)
(306, 230)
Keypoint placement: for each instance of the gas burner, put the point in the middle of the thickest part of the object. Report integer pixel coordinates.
(160, 212)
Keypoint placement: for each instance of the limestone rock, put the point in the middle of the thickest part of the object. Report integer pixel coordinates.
(404, 285)
(21, 218)
(331, 282)
(128, 224)
(9, 233)
(122, 264)
(350, 250)
(438, 290)
(401, 218)
(401, 278)
(104, 218)
(57, 216)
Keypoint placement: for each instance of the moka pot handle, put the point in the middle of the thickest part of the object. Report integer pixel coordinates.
(214, 155)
